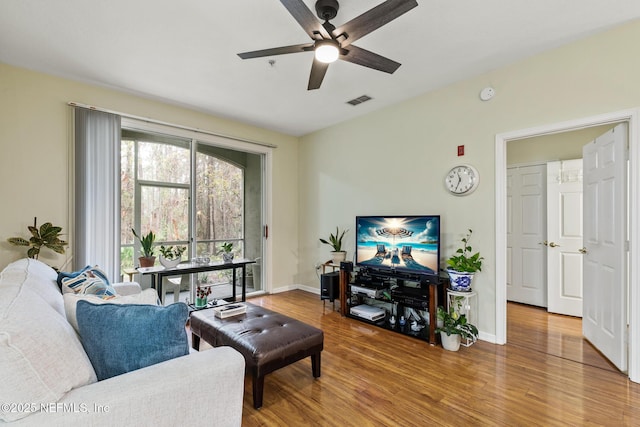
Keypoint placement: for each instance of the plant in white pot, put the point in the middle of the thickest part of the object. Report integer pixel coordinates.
(463, 265)
(454, 328)
(170, 256)
(335, 241)
(226, 249)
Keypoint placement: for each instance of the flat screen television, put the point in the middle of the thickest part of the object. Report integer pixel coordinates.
(404, 243)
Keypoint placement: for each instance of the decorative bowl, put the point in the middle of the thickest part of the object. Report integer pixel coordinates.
(169, 263)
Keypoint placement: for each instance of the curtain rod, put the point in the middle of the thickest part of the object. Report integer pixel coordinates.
(159, 122)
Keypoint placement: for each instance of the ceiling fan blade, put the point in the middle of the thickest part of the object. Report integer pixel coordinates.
(305, 18)
(277, 51)
(357, 55)
(373, 19)
(318, 70)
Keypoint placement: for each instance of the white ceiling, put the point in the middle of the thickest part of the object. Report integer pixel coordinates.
(185, 52)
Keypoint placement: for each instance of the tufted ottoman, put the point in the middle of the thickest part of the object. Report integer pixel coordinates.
(267, 340)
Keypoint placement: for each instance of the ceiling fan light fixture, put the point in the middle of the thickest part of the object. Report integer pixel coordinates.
(326, 51)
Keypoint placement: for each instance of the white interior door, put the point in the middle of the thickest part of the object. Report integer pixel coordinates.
(526, 231)
(604, 321)
(564, 237)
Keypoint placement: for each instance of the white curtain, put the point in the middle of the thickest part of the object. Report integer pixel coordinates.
(97, 191)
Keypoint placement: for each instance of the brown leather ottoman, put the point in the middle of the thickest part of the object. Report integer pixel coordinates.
(267, 340)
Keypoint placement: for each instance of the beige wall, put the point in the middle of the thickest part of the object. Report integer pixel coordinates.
(559, 146)
(394, 161)
(35, 137)
(389, 162)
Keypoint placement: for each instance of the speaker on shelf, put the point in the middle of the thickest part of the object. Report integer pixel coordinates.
(346, 266)
(329, 286)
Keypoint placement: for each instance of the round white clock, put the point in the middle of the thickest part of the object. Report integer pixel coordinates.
(462, 180)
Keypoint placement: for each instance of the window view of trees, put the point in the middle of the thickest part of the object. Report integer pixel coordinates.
(219, 204)
(156, 186)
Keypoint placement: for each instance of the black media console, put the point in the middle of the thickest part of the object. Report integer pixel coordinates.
(381, 296)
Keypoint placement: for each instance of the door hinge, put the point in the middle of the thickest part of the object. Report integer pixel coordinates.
(266, 231)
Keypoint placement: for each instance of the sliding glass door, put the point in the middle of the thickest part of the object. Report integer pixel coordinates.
(192, 193)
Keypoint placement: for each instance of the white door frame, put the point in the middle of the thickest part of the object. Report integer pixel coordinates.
(629, 116)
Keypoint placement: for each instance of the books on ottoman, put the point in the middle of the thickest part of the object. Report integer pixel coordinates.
(228, 310)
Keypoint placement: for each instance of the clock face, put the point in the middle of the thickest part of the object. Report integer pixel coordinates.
(462, 180)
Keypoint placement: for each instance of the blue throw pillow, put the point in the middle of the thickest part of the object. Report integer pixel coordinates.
(119, 338)
(69, 275)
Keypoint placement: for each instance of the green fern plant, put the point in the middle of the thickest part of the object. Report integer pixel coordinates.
(47, 235)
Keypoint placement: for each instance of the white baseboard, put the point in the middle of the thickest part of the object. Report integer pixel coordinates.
(296, 287)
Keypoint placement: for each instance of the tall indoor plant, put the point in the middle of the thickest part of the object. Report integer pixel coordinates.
(335, 241)
(146, 245)
(47, 235)
(463, 265)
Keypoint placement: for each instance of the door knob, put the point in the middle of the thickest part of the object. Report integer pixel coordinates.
(582, 250)
(553, 245)
(544, 243)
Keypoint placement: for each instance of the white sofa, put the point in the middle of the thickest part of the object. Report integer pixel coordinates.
(47, 378)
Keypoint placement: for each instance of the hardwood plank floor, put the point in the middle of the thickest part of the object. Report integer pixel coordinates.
(534, 329)
(374, 377)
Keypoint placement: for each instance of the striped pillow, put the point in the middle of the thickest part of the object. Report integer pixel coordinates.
(92, 281)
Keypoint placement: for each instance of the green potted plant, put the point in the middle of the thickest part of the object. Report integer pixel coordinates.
(47, 235)
(146, 242)
(226, 249)
(170, 256)
(463, 265)
(454, 328)
(335, 241)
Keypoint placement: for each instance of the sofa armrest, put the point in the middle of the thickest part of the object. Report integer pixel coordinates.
(201, 389)
(127, 288)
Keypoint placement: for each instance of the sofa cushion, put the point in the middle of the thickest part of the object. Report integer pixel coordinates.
(123, 338)
(146, 296)
(41, 358)
(91, 281)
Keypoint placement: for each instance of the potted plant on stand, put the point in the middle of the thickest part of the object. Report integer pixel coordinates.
(335, 241)
(146, 242)
(226, 249)
(170, 256)
(463, 265)
(455, 327)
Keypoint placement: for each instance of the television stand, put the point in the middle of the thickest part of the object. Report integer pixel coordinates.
(414, 296)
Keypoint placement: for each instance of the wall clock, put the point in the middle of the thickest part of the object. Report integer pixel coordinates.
(462, 180)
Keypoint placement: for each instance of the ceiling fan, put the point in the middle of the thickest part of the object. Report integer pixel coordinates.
(331, 43)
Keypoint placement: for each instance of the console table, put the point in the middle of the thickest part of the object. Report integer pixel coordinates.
(158, 272)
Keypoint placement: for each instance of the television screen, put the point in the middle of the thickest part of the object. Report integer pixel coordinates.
(407, 243)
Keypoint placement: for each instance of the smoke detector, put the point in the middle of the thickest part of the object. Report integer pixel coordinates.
(487, 93)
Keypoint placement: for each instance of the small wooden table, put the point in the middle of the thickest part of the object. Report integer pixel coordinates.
(130, 272)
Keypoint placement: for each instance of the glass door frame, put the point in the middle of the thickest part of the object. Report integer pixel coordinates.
(266, 154)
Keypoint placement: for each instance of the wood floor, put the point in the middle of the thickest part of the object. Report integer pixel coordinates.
(374, 377)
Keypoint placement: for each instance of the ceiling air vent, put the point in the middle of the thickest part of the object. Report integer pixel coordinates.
(359, 100)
